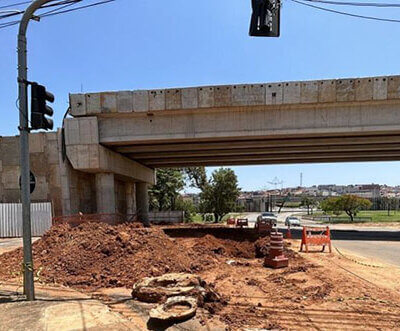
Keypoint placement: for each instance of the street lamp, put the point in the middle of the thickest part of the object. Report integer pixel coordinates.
(27, 265)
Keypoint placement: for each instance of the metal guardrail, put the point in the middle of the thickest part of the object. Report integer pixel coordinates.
(11, 219)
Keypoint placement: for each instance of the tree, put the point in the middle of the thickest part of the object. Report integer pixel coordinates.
(350, 204)
(331, 205)
(164, 193)
(197, 177)
(187, 206)
(308, 202)
(391, 203)
(220, 194)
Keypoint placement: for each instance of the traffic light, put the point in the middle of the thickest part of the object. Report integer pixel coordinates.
(265, 19)
(39, 108)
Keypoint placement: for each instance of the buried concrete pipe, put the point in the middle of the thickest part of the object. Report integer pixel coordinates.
(172, 310)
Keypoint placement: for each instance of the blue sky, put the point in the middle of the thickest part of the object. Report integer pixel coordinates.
(157, 44)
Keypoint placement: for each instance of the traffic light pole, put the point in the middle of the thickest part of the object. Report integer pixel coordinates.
(29, 288)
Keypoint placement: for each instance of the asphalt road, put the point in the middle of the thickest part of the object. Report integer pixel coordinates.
(378, 243)
(385, 251)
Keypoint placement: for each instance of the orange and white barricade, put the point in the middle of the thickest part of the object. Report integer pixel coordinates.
(316, 236)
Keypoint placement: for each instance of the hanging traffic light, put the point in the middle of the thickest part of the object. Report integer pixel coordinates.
(265, 19)
(39, 108)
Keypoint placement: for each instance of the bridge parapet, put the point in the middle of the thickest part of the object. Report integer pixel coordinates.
(240, 95)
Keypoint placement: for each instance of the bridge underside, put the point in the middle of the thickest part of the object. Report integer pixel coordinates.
(218, 152)
(343, 120)
(125, 135)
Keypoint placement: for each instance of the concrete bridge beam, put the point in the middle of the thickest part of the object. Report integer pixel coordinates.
(86, 154)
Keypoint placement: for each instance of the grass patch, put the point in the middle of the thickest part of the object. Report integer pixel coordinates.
(375, 216)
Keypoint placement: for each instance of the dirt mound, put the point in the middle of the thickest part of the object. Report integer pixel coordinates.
(224, 247)
(261, 246)
(100, 255)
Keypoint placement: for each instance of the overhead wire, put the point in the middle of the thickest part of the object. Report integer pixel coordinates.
(68, 4)
(77, 8)
(356, 4)
(373, 18)
(57, 12)
(20, 12)
(15, 4)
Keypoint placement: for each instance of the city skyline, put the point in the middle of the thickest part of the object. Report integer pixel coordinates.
(353, 173)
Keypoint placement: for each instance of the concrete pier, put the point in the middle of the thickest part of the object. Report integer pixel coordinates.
(105, 193)
(142, 200)
(130, 189)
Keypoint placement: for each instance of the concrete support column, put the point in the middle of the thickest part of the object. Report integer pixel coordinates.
(130, 198)
(142, 203)
(105, 193)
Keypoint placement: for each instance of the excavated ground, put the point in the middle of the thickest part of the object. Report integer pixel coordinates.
(312, 293)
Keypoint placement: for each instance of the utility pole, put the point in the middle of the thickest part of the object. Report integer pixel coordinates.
(27, 264)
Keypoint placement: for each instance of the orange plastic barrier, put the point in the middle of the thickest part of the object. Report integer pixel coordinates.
(316, 236)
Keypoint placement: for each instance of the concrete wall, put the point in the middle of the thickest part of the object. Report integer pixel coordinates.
(44, 162)
(69, 190)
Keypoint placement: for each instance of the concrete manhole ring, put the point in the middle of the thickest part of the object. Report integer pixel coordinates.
(166, 311)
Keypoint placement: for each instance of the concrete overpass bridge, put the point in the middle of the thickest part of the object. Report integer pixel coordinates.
(127, 134)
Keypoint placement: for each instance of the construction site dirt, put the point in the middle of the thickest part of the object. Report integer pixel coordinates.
(321, 291)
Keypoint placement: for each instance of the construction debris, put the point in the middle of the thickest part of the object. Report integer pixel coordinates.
(176, 289)
(166, 311)
(93, 256)
(158, 289)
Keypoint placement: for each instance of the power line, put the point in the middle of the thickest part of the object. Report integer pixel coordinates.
(78, 8)
(4, 25)
(357, 4)
(19, 12)
(11, 23)
(68, 4)
(15, 4)
(348, 14)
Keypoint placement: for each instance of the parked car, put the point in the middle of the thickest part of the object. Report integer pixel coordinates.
(292, 221)
(268, 216)
(241, 222)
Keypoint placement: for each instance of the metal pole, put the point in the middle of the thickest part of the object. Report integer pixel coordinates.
(29, 289)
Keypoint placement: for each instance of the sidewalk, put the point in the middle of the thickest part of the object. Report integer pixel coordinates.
(9, 244)
(56, 308)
